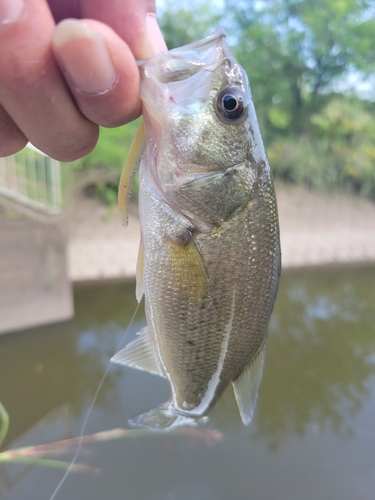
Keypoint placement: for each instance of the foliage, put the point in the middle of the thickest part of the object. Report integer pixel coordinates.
(295, 51)
(109, 154)
(107, 191)
(111, 149)
(348, 129)
(339, 155)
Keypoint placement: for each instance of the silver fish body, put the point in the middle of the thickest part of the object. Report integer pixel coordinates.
(210, 254)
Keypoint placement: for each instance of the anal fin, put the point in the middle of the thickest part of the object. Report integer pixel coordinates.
(246, 385)
(139, 353)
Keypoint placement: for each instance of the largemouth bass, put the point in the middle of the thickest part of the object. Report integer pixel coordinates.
(209, 259)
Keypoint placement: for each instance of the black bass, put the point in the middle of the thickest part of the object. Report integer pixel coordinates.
(209, 259)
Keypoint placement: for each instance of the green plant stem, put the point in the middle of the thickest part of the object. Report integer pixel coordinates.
(35, 454)
(45, 462)
(4, 417)
(58, 447)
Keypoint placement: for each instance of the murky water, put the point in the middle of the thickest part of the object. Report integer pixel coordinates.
(313, 435)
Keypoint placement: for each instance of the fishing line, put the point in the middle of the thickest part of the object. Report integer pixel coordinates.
(89, 411)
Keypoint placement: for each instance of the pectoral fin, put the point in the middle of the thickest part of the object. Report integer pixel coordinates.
(139, 354)
(246, 385)
(131, 165)
(188, 271)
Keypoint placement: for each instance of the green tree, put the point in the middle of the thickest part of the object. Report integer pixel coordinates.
(295, 50)
(339, 153)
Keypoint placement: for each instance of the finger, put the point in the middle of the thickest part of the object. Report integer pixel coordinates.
(100, 70)
(11, 137)
(133, 20)
(33, 91)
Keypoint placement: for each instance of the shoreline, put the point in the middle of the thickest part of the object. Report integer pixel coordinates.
(315, 230)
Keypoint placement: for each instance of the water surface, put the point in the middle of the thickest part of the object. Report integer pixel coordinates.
(313, 434)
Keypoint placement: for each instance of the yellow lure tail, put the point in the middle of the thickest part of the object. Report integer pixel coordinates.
(131, 164)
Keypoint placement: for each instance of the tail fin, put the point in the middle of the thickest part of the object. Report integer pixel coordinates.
(163, 418)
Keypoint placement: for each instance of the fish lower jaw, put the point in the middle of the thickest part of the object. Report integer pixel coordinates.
(186, 418)
(166, 417)
(194, 413)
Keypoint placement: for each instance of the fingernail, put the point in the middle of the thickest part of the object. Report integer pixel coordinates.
(84, 57)
(154, 34)
(10, 11)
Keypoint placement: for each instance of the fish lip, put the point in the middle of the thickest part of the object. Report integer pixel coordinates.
(187, 413)
(217, 34)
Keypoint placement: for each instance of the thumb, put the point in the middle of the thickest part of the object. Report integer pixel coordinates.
(133, 20)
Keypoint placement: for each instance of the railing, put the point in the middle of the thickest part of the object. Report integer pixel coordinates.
(32, 179)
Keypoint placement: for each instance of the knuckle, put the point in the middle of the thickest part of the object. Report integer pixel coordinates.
(24, 59)
(21, 75)
(70, 148)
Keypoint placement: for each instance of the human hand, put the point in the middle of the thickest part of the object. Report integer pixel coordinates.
(58, 83)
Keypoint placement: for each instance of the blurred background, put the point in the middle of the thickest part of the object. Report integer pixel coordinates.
(311, 70)
(67, 271)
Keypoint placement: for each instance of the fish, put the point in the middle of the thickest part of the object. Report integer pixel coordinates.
(209, 258)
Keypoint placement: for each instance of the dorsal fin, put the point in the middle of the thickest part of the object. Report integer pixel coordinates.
(128, 172)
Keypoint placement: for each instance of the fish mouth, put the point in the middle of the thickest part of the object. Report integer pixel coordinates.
(183, 62)
(216, 37)
(218, 34)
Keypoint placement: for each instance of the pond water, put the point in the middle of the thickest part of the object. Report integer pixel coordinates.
(313, 434)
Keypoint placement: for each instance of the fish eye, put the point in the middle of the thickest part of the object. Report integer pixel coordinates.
(230, 104)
